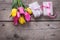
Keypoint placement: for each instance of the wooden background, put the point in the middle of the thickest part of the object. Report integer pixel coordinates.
(38, 29)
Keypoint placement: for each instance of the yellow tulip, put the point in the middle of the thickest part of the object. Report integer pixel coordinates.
(14, 12)
(29, 10)
(22, 20)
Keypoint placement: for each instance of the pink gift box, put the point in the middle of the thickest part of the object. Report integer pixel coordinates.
(47, 8)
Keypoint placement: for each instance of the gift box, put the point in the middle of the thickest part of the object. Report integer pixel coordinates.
(47, 8)
(35, 7)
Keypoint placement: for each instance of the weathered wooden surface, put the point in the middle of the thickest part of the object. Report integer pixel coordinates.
(38, 29)
(32, 31)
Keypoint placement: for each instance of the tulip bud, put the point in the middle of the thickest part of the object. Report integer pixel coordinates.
(27, 16)
(21, 10)
(29, 10)
(13, 13)
(22, 20)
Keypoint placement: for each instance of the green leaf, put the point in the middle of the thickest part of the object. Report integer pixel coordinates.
(14, 3)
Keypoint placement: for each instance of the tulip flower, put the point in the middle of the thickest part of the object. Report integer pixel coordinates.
(15, 20)
(29, 10)
(14, 11)
(22, 20)
(21, 10)
(27, 16)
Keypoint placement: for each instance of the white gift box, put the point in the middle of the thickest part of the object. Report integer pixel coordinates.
(35, 7)
(47, 8)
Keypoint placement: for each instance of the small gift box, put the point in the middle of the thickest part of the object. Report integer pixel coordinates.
(35, 7)
(47, 8)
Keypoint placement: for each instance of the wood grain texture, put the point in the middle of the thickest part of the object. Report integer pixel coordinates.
(33, 25)
(36, 31)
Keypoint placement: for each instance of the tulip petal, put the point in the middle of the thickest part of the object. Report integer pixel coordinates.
(22, 20)
(27, 16)
(21, 10)
(29, 10)
(15, 20)
(18, 14)
(13, 13)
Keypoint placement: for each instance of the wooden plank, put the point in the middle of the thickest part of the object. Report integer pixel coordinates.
(5, 1)
(31, 35)
(26, 2)
(5, 10)
(33, 25)
(33, 31)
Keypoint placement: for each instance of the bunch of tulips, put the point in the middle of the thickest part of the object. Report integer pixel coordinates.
(20, 13)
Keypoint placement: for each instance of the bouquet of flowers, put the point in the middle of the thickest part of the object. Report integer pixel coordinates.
(20, 13)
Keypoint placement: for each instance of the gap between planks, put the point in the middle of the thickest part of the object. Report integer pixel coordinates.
(33, 21)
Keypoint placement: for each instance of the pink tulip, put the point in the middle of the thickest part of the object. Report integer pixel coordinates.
(27, 17)
(21, 10)
(18, 14)
(15, 20)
